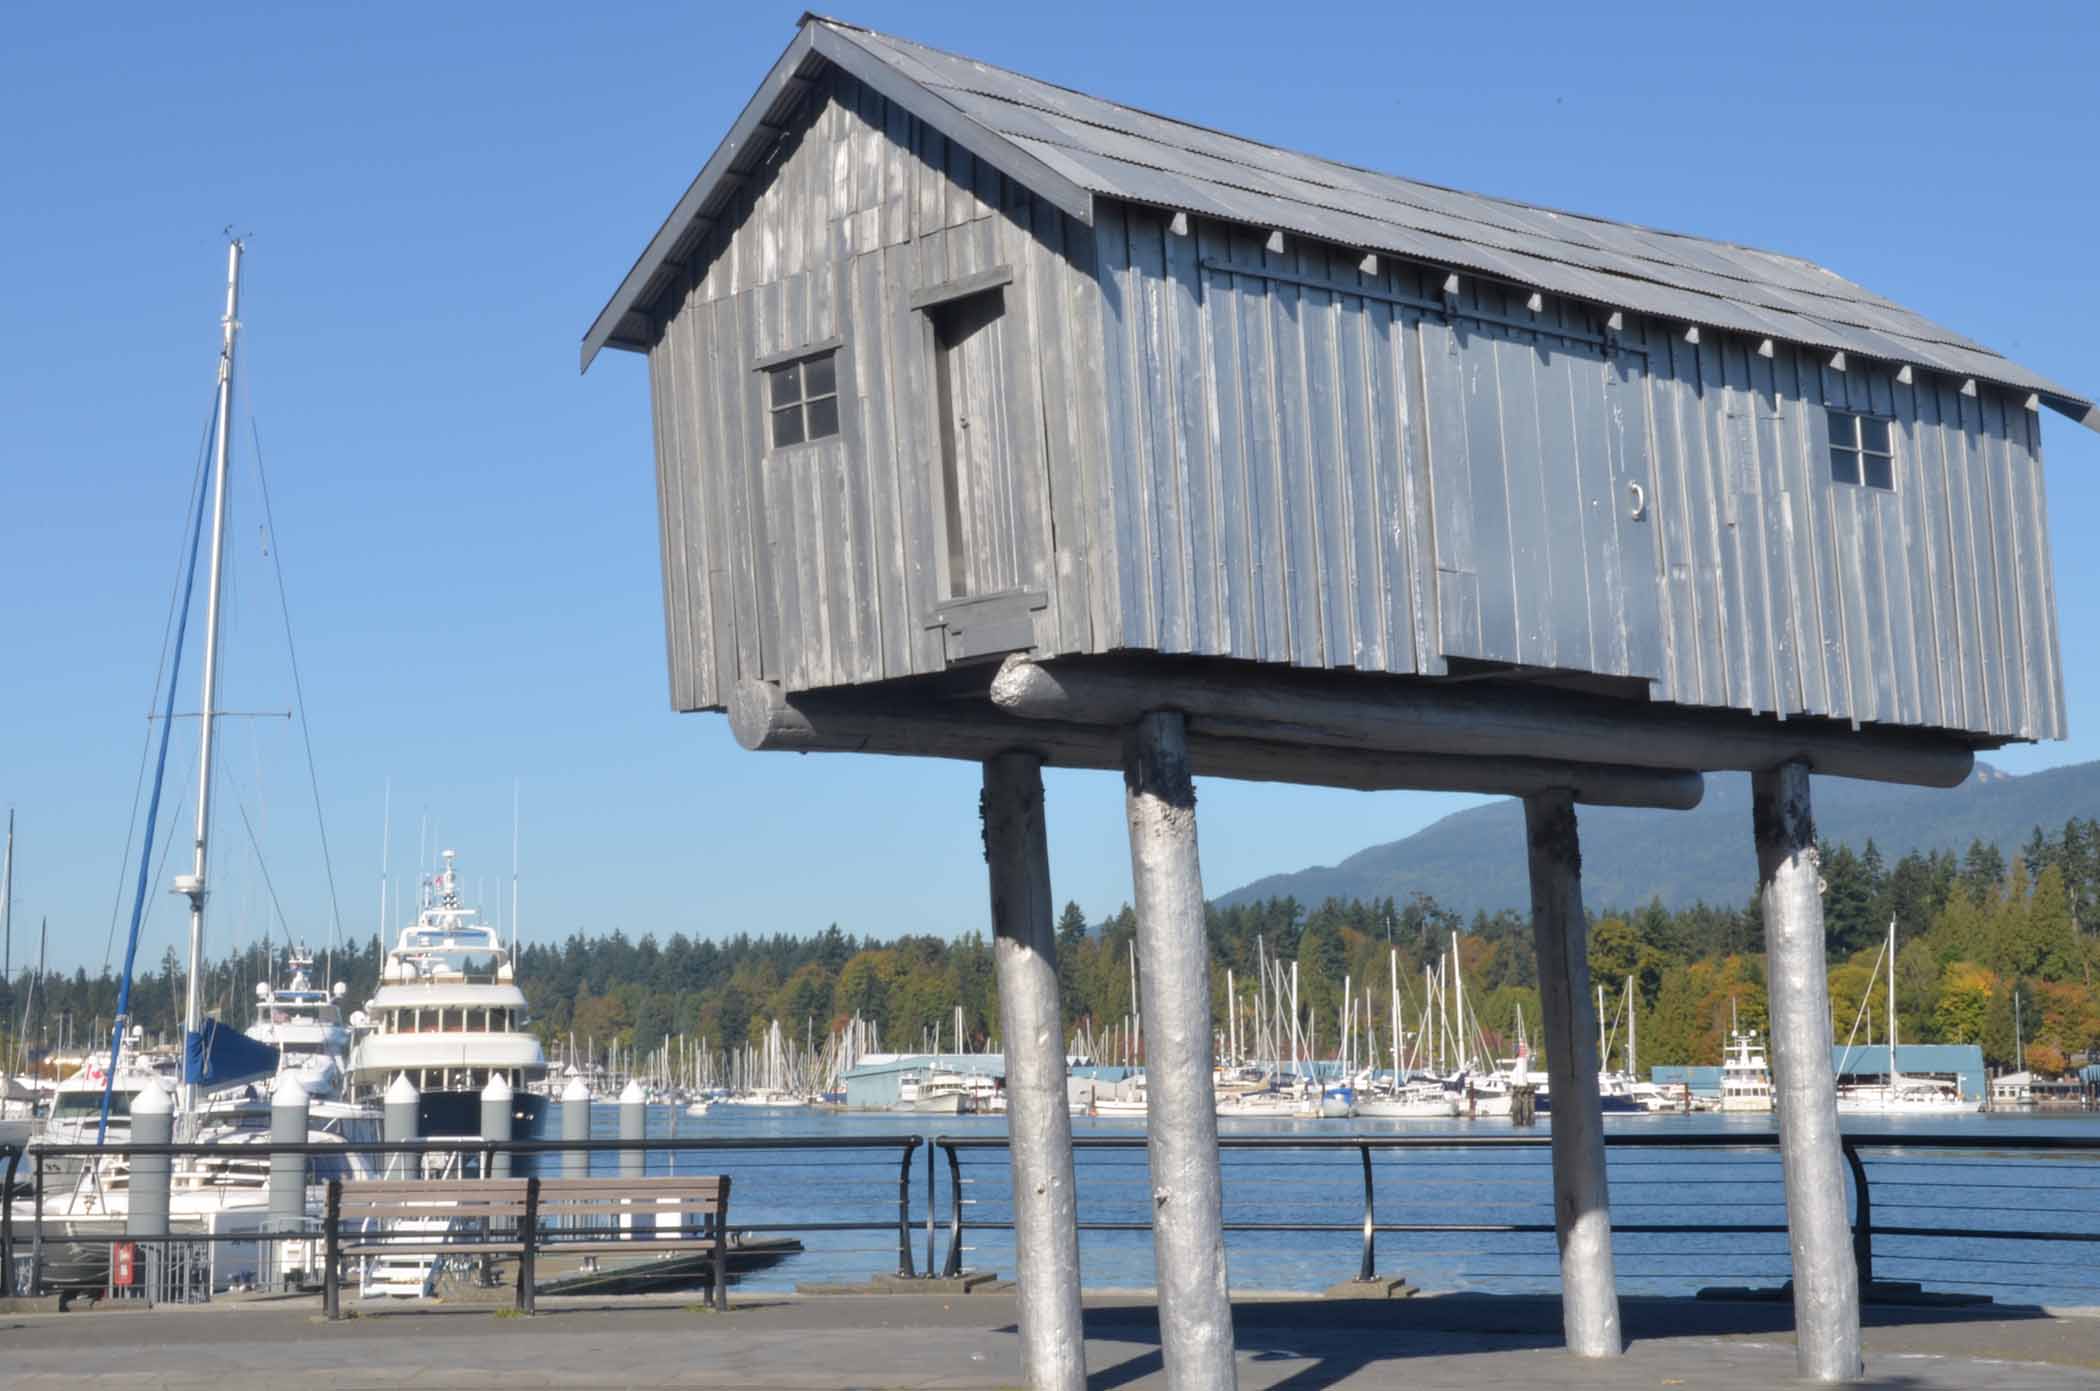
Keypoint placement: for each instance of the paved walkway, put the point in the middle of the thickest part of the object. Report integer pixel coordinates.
(874, 1341)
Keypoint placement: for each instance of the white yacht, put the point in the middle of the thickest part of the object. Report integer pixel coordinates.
(76, 1104)
(1746, 1079)
(448, 1015)
(306, 1027)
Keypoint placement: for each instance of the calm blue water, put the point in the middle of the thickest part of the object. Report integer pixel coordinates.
(1987, 1190)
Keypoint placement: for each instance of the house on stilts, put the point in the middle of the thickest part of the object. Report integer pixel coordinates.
(998, 421)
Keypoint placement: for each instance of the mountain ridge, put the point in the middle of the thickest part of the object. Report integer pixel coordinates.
(1474, 859)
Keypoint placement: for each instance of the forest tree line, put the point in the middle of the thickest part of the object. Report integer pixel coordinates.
(1976, 931)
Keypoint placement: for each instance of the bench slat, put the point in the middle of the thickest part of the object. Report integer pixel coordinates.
(638, 1248)
(433, 1248)
(446, 1210)
(445, 1187)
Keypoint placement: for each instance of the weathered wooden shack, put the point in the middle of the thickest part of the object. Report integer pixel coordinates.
(948, 362)
(998, 421)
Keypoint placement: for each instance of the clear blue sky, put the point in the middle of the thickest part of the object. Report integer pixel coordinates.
(442, 196)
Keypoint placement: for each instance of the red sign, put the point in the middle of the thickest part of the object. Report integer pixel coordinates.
(123, 1263)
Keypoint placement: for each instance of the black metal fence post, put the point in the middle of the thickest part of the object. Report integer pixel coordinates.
(1862, 1216)
(930, 1204)
(1368, 1271)
(953, 1267)
(36, 1225)
(332, 1275)
(7, 1223)
(904, 1266)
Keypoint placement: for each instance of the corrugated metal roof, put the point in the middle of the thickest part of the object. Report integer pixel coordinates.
(1121, 152)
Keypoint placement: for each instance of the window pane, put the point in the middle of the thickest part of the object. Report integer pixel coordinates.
(787, 383)
(1874, 434)
(787, 427)
(1880, 470)
(1844, 430)
(1844, 466)
(823, 417)
(820, 376)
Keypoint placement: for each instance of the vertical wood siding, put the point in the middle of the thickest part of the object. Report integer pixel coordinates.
(823, 564)
(1313, 467)
(1267, 476)
(1299, 456)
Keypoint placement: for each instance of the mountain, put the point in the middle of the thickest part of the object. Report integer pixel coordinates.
(1474, 859)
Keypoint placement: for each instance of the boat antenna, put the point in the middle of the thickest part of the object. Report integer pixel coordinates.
(7, 901)
(386, 846)
(514, 873)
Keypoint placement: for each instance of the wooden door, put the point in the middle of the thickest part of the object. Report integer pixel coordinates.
(979, 489)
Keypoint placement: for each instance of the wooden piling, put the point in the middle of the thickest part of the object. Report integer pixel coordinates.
(1188, 1239)
(1581, 1197)
(1046, 1231)
(1804, 1086)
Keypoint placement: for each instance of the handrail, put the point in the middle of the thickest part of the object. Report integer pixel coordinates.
(1886, 1147)
(1863, 1227)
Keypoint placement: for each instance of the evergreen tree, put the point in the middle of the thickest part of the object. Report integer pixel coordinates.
(1982, 869)
(1850, 891)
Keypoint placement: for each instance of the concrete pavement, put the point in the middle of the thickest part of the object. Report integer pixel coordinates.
(967, 1343)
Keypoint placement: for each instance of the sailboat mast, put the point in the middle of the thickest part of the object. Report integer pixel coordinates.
(1893, 1074)
(1602, 1059)
(1458, 997)
(1633, 1066)
(7, 901)
(1392, 967)
(193, 886)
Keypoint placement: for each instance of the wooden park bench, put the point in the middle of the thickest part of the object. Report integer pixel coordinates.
(524, 1216)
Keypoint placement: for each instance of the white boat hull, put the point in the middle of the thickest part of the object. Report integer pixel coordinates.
(1407, 1108)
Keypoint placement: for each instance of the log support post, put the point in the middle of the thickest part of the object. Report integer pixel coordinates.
(1826, 1284)
(1046, 1232)
(1581, 1199)
(1188, 1239)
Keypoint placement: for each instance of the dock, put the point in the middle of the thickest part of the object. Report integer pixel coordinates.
(970, 1344)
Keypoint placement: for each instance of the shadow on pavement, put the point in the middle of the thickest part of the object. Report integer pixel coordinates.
(1340, 1338)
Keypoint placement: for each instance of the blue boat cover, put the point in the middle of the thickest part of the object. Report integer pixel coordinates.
(219, 1056)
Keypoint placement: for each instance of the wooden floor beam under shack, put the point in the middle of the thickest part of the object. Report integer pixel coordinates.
(968, 726)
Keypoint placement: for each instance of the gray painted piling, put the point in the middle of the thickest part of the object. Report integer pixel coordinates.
(1188, 1239)
(402, 1121)
(288, 1112)
(1804, 1088)
(1046, 1233)
(152, 1123)
(1581, 1197)
(576, 1125)
(498, 1118)
(634, 1125)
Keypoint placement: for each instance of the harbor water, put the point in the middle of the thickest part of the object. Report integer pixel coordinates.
(1911, 1185)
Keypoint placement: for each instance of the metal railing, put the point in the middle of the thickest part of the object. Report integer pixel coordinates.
(1887, 1150)
(1335, 1180)
(47, 1226)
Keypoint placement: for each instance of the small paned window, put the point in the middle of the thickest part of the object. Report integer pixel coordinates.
(1862, 450)
(803, 397)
